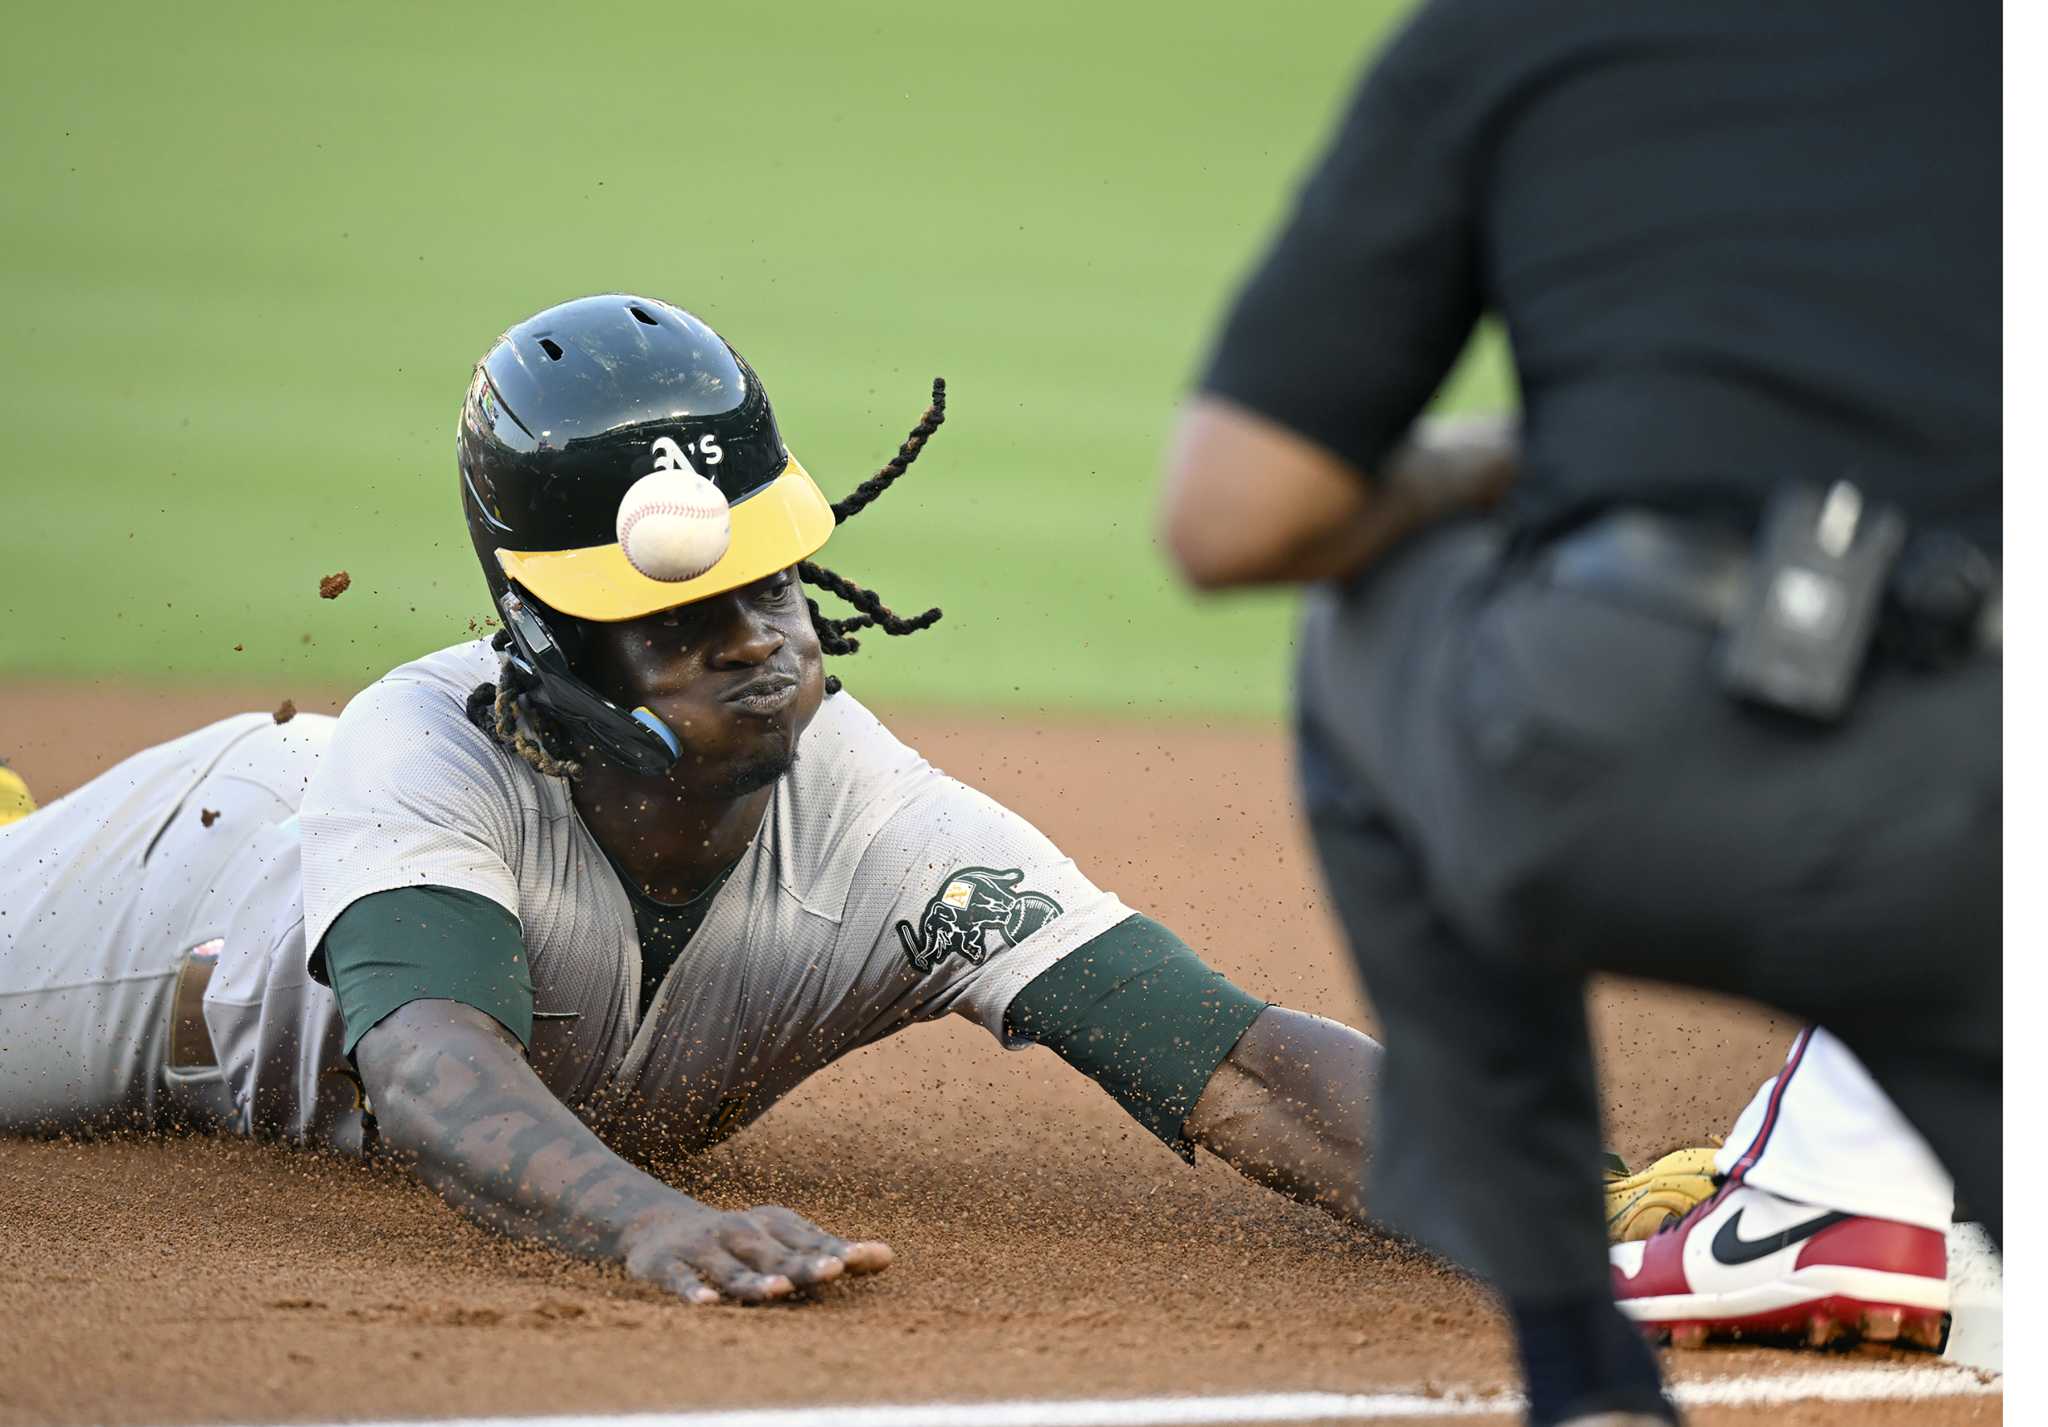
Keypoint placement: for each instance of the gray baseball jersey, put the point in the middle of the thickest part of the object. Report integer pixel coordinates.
(877, 892)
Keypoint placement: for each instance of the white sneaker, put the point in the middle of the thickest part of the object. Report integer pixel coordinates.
(1748, 1264)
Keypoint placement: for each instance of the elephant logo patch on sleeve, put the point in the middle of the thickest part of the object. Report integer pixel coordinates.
(977, 913)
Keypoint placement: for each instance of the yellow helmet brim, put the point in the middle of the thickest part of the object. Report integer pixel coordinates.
(783, 522)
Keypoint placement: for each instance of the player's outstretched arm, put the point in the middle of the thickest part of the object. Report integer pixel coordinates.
(1288, 1108)
(1280, 1096)
(454, 1095)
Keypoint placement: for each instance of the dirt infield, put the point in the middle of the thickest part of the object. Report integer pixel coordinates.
(1046, 1247)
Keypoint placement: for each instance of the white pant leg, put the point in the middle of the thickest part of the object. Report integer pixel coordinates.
(1822, 1132)
(101, 893)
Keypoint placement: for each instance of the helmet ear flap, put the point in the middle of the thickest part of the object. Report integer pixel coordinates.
(540, 671)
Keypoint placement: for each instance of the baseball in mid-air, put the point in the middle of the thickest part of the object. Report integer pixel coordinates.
(674, 525)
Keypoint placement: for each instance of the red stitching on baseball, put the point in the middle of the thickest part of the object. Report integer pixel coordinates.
(664, 508)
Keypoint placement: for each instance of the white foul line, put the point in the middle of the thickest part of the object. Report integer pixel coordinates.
(1838, 1385)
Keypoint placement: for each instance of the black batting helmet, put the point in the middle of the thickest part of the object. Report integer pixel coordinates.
(565, 412)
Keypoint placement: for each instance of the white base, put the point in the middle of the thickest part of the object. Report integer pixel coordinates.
(1976, 1280)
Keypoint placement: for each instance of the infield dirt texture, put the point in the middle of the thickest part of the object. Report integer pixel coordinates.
(1046, 1246)
(250, 253)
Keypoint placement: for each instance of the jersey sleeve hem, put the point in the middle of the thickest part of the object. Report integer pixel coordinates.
(1137, 1012)
(428, 943)
(1029, 959)
(491, 889)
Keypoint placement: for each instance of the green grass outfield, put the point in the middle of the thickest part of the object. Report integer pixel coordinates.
(250, 253)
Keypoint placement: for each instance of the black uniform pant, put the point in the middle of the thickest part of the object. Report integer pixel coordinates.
(1512, 785)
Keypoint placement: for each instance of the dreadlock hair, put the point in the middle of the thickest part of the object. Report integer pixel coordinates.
(495, 708)
(835, 636)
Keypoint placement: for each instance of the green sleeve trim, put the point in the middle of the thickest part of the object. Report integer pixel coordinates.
(427, 944)
(1137, 1012)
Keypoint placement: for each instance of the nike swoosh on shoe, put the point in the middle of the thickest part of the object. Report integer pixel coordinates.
(1729, 1247)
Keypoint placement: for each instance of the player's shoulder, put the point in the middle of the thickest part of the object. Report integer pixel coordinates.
(859, 795)
(848, 763)
(848, 741)
(429, 686)
(457, 667)
(413, 726)
(430, 691)
(851, 776)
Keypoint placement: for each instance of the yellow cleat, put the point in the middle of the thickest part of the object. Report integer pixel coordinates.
(15, 802)
(1640, 1204)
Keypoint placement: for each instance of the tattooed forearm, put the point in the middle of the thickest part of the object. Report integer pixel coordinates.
(454, 1095)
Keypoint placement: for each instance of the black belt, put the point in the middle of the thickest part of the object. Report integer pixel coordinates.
(1700, 573)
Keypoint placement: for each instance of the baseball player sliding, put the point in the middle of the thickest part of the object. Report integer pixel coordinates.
(615, 879)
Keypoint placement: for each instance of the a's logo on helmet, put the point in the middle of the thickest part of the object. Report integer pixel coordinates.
(668, 456)
(674, 523)
(978, 912)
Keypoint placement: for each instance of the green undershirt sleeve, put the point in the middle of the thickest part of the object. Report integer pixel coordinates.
(426, 944)
(1137, 1012)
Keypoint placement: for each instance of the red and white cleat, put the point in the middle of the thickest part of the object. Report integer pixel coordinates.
(1747, 1264)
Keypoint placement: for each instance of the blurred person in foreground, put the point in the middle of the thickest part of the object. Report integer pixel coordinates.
(1692, 675)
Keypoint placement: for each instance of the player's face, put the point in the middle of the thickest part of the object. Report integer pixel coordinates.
(737, 677)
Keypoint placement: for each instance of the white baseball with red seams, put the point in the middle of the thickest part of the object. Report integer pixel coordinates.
(674, 525)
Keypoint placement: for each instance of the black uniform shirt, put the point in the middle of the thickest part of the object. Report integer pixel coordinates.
(1733, 243)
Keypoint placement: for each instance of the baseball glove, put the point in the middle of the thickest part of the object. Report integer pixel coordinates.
(1640, 1204)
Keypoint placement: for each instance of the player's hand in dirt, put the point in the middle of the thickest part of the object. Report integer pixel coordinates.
(703, 1254)
(456, 1099)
